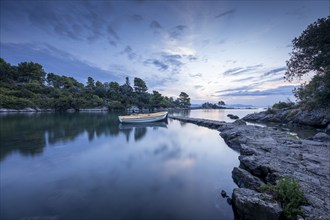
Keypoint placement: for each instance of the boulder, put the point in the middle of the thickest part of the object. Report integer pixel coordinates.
(327, 129)
(251, 205)
(244, 179)
(239, 122)
(321, 137)
(231, 116)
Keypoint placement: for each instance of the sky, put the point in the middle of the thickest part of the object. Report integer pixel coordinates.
(235, 51)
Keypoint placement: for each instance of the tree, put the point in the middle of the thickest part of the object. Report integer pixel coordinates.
(156, 99)
(29, 71)
(221, 102)
(127, 88)
(139, 85)
(90, 83)
(100, 89)
(54, 80)
(7, 72)
(184, 100)
(310, 50)
(311, 53)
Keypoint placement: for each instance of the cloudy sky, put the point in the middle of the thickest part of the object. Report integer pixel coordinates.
(214, 50)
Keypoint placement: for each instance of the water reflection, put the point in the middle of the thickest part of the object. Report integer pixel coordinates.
(140, 130)
(29, 133)
(93, 168)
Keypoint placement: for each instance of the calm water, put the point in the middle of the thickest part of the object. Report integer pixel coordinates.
(87, 166)
(218, 114)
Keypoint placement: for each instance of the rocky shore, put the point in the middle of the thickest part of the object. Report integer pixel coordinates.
(319, 118)
(266, 155)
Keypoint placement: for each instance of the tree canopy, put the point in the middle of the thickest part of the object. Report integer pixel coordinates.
(311, 50)
(184, 100)
(28, 85)
(311, 54)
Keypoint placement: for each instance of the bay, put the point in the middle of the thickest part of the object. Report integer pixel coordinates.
(88, 166)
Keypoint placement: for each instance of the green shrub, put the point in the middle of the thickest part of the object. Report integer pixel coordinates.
(287, 192)
(282, 105)
(15, 103)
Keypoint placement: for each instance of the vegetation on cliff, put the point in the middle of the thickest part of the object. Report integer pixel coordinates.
(311, 54)
(287, 192)
(28, 85)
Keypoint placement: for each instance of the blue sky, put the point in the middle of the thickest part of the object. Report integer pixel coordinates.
(234, 51)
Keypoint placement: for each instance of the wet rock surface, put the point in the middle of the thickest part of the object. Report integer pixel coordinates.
(267, 155)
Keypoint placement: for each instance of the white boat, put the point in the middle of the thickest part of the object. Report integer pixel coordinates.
(142, 118)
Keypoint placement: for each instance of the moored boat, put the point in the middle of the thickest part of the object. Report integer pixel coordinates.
(143, 118)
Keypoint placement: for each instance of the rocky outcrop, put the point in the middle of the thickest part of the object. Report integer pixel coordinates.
(321, 137)
(251, 205)
(317, 118)
(267, 155)
(244, 179)
(231, 116)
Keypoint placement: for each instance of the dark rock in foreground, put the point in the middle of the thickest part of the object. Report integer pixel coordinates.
(231, 116)
(268, 155)
(244, 179)
(251, 205)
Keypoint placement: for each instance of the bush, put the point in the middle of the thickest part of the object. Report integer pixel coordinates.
(15, 103)
(316, 93)
(287, 192)
(282, 105)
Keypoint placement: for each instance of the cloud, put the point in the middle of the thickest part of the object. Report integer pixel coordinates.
(299, 13)
(137, 17)
(155, 26)
(178, 31)
(244, 79)
(166, 61)
(240, 70)
(221, 41)
(236, 89)
(282, 90)
(112, 36)
(232, 11)
(54, 60)
(274, 71)
(195, 75)
(75, 20)
(129, 52)
(159, 64)
(275, 79)
(192, 58)
(199, 87)
(173, 59)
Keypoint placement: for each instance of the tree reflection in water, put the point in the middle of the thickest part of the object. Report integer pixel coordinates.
(29, 133)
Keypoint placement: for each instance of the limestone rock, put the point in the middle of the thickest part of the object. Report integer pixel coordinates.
(245, 179)
(251, 205)
(321, 137)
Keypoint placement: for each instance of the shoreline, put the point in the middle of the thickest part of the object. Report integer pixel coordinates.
(37, 110)
(267, 155)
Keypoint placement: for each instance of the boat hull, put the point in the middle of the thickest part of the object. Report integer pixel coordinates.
(143, 118)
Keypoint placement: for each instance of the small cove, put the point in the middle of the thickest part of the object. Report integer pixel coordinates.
(86, 165)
